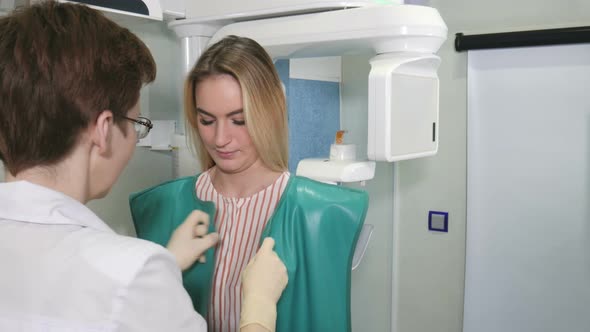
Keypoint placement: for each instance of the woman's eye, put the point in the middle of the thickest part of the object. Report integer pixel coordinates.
(239, 122)
(205, 122)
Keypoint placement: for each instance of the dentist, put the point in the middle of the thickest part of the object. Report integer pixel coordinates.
(69, 119)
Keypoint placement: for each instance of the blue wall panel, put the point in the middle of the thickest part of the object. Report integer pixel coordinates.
(314, 115)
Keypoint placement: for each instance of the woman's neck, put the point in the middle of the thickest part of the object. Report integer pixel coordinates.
(245, 183)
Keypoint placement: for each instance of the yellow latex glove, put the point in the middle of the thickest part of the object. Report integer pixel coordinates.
(190, 240)
(263, 282)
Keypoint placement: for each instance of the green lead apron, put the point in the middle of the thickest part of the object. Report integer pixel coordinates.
(315, 227)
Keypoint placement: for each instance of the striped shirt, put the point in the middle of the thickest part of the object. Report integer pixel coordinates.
(239, 222)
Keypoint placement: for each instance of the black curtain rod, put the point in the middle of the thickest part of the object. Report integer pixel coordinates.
(575, 35)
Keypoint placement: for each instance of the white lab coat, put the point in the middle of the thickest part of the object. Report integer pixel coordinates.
(63, 269)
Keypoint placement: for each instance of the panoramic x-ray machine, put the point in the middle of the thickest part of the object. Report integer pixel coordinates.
(403, 83)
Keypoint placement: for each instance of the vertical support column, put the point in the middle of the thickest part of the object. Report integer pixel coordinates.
(192, 47)
(194, 37)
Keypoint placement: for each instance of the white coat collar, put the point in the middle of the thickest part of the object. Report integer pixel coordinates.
(27, 202)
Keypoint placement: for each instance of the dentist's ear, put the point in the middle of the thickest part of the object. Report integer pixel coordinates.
(103, 131)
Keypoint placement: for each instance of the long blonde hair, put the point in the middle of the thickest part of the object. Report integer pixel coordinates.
(264, 104)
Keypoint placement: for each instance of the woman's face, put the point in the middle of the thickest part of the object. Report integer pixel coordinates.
(222, 125)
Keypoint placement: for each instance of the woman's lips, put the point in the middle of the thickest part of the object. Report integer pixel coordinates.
(225, 154)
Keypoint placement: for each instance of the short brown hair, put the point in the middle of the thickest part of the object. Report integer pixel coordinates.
(265, 108)
(61, 65)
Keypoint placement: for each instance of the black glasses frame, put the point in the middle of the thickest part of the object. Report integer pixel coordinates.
(141, 121)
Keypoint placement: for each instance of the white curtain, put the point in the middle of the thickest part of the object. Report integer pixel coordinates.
(528, 208)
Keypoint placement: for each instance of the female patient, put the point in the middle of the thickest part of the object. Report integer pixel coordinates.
(236, 109)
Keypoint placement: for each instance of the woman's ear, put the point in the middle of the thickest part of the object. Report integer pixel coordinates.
(103, 131)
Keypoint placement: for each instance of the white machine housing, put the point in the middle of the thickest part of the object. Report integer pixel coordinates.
(227, 10)
(403, 82)
(342, 166)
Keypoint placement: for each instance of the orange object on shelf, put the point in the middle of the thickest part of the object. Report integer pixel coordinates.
(339, 137)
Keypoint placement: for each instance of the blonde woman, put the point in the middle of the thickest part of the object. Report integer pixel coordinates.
(236, 110)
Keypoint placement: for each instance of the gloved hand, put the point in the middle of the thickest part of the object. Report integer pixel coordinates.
(263, 282)
(190, 240)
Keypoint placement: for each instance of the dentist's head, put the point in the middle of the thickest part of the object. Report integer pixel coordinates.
(69, 90)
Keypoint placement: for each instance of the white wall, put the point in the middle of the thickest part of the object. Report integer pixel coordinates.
(430, 282)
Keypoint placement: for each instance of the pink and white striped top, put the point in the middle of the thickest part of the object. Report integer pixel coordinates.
(240, 222)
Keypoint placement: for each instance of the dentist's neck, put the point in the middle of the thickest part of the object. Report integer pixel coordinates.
(69, 177)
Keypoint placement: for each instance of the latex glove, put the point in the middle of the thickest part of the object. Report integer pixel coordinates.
(190, 240)
(263, 282)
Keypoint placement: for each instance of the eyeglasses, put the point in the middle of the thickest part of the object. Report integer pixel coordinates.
(142, 126)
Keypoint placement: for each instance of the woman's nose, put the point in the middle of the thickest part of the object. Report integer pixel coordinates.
(222, 135)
